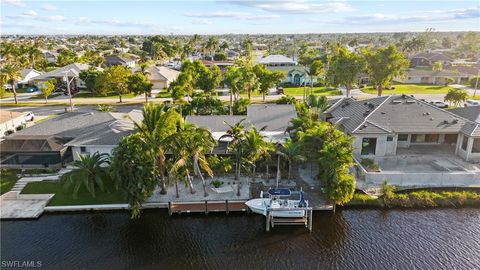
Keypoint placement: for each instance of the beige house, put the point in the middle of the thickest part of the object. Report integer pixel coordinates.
(161, 77)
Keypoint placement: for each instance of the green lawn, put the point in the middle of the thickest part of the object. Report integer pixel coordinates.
(109, 95)
(9, 93)
(323, 91)
(40, 96)
(8, 179)
(411, 89)
(163, 94)
(65, 197)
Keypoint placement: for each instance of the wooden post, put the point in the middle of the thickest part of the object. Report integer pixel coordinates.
(310, 219)
(267, 225)
(170, 208)
(206, 208)
(226, 206)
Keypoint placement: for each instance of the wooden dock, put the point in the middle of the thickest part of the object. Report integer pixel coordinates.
(207, 207)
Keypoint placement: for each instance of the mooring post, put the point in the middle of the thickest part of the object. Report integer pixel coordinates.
(310, 220)
(226, 206)
(206, 208)
(267, 225)
(170, 208)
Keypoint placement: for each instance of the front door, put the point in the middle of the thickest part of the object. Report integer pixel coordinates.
(369, 145)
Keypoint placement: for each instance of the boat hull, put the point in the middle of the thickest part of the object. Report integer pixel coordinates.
(259, 206)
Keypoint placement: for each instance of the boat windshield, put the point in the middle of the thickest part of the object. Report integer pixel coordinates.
(279, 192)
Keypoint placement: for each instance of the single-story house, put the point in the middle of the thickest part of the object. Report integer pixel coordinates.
(277, 62)
(383, 125)
(428, 58)
(429, 76)
(63, 138)
(114, 60)
(27, 76)
(10, 121)
(273, 118)
(161, 77)
(72, 71)
(466, 72)
(51, 57)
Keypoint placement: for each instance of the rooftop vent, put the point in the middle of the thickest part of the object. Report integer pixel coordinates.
(366, 113)
(371, 106)
(410, 101)
(396, 101)
(455, 121)
(445, 121)
(404, 96)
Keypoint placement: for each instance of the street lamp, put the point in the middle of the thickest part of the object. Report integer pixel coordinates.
(65, 78)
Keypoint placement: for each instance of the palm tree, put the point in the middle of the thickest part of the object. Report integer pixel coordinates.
(237, 133)
(156, 126)
(33, 54)
(317, 103)
(91, 172)
(201, 142)
(291, 151)
(12, 73)
(257, 147)
(211, 45)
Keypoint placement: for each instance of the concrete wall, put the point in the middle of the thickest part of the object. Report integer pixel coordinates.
(467, 154)
(90, 150)
(11, 124)
(384, 147)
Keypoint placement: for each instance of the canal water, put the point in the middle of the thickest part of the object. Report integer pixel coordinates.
(351, 239)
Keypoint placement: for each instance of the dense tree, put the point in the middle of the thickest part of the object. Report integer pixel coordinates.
(344, 68)
(114, 79)
(384, 64)
(240, 106)
(307, 59)
(133, 167)
(456, 96)
(203, 104)
(66, 57)
(140, 84)
(266, 78)
(11, 74)
(291, 151)
(90, 171)
(89, 77)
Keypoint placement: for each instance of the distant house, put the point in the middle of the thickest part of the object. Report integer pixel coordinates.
(383, 125)
(429, 76)
(428, 58)
(466, 72)
(161, 77)
(9, 121)
(63, 138)
(51, 57)
(27, 75)
(222, 65)
(72, 71)
(277, 62)
(115, 60)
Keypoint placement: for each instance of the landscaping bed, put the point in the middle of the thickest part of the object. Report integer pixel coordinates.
(323, 91)
(7, 180)
(410, 89)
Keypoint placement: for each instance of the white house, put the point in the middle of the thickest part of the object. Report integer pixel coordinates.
(429, 76)
(9, 121)
(161, 77)
(71, 71)
(27, 76)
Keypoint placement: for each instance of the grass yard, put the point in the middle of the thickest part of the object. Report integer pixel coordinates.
(410, 89)
(163, 94)
(109, 95)
(322, 91)
(40, 96)
(8, 179)
(9, 93)
(65, 197)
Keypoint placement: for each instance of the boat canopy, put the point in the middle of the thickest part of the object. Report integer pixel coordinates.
(279, 191)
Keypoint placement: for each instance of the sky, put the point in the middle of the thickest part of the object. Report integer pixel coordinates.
(235, 16)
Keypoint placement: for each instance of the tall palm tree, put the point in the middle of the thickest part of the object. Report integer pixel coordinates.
(257, 147)
(91, 172)
(11, 73)
(200, 142)
(212, 45)
(34, 53)
(156, 126)
(291, 151)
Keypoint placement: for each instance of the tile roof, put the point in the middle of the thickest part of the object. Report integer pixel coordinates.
(276, 58)
(433, 56)
(162, 73)
(74, 68)
(470, 113)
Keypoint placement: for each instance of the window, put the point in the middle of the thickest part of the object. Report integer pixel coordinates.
(83, 149)
(464, 143)
(402, 137)
(424, 138)
(389, 138)
(369, 145)
(476, 146)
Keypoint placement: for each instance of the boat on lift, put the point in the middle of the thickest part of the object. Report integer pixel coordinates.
(279, 204)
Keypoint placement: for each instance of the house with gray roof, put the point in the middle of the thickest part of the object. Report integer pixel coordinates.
(382, 126)
(71, 71)
(161, 77)
(64, 138)
(115, 60)
(429, 76)
(428, 58)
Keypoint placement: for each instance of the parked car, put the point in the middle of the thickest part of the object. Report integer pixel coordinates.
(31, 89)
(7, 86)
(439, 104)
(279, 90)
(29, 116)
(471, 102)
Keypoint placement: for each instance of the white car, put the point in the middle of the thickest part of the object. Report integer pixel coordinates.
(471, 102)
(7, 86)
(439, 104)
(29, 116)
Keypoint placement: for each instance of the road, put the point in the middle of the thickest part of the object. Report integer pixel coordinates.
(49, 110)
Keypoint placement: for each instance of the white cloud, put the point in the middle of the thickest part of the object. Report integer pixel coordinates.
(30, 13)
(17, 3)
(202, 22)
(295, 6)
(235, 15)
(426, 16)
(49, 7)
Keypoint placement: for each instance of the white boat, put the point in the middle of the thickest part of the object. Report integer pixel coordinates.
(278, 205)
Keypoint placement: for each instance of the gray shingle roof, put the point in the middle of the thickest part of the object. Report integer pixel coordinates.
(276, 59)
(471, 129)
(74, 68)
(399, 114)
(216, 123)
(470, 113)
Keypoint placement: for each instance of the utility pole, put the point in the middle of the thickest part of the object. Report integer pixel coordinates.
(476, 83)
(68, 89)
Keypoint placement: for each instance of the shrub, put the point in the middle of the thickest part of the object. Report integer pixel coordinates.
(217, 183)
(370, 165)
(286, 100)
(388, 190)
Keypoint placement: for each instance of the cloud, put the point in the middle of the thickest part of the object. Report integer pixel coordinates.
(295, 6)
(30, 13)
(202, 22)
(17, 3)
(235, 15)
(49, 7)
(426, 16)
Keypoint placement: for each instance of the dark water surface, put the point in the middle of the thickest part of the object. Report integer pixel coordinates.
(352, 239)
